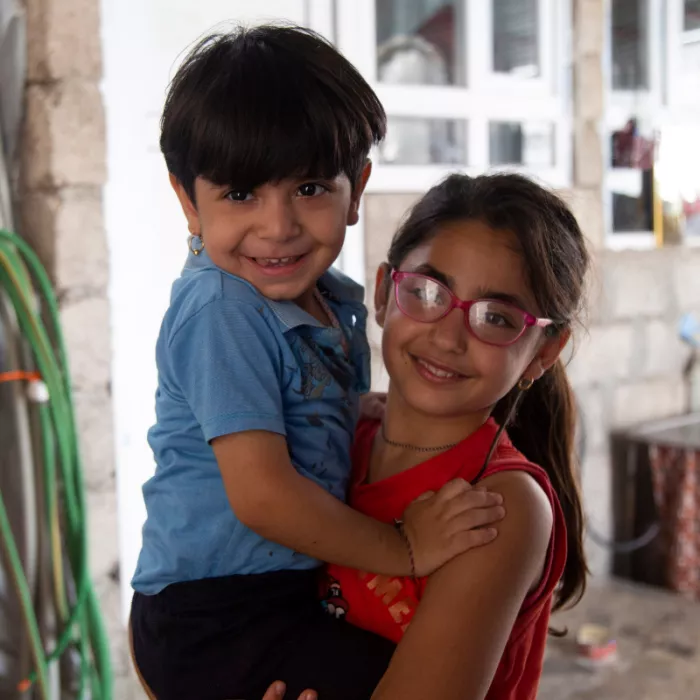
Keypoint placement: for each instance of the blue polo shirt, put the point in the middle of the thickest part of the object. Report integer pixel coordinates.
(231, 360)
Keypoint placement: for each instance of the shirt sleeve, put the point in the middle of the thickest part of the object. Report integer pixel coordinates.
(227, 361)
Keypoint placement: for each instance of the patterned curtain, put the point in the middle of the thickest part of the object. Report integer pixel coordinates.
(676, 477)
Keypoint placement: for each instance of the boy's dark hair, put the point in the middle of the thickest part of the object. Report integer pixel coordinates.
(543, 419)
(267, 103)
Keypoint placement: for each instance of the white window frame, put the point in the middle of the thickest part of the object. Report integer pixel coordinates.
(487, 96)
(652, 105)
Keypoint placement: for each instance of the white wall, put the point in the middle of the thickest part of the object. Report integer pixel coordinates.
(142, 41)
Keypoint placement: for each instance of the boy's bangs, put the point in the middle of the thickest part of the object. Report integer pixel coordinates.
(268, 104)
(288, 128)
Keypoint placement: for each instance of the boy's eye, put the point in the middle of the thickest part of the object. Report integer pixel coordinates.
(238, 195)
(311, 189)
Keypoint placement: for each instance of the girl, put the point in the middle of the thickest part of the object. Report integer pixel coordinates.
(483, 283)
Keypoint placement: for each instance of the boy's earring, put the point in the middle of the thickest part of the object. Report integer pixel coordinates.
(195, 249)
(525, 384)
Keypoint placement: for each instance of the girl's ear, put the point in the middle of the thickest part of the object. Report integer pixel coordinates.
(548, 354)
(382, 289)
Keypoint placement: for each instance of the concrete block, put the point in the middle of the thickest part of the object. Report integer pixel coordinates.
(604, 354)
(588, 155)
(37, 225)
(664, 353)
(589, 27)
(587, 206)
(638, 284)
(383, 214)
(128, 688)
(593, 417)
(64, 40)
(639, 402)
(87, 332)
(103, 550)
(596, 489)
(64, 136)
(109, 597)
(94, 418)
(82, 258)
(66, 230)
(687, 279)
(589, 88)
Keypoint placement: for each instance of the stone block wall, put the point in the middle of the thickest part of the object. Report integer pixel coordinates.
(63, 169)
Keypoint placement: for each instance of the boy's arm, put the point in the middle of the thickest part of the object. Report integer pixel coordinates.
(271, 498)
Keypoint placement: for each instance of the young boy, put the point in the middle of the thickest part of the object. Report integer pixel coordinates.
(262, 356)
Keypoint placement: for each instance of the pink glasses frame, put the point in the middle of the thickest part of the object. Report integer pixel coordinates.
(457, 303)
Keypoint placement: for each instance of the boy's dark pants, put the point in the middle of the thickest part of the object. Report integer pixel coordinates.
(231, 637)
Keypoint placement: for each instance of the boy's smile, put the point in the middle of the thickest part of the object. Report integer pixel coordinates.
(281, 237)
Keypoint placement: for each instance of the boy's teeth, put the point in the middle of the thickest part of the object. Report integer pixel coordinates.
(437, 372)
(276, 261)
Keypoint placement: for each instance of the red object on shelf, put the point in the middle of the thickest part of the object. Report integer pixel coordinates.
(630, 150)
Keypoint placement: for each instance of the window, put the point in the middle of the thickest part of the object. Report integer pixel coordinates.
(515, 37)
(527, 143)
(467, 85)
(691, 15)
(416, 141)
(690, 49)
(630, 52)
(638, 34)
(420, 42)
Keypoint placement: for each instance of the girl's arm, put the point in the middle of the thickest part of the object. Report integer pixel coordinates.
(453, 646)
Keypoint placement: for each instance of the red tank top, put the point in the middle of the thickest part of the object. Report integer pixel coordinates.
(385, 605)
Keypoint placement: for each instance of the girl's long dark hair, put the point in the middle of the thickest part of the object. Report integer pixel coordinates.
(543, 423)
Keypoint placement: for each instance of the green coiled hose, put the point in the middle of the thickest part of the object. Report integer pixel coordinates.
(24, 280)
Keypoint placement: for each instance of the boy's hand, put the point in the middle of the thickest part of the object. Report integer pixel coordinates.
(442, 525)
(372, 405)
(277, 690)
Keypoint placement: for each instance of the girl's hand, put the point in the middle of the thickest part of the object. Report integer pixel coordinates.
(277, 690)
(372, 405)
(441, 525)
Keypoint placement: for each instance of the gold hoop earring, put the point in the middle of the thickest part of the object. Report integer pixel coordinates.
(190, 244)
(525, 384)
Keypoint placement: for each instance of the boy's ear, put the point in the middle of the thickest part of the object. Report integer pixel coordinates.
(548, 354)
(382, 290)
(358, 190)
(187, 205)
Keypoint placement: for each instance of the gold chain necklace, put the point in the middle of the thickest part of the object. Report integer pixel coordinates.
(407, 446)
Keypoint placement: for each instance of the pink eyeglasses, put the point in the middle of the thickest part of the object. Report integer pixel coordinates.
(491, 321)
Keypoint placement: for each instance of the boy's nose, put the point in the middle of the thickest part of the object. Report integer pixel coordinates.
(279, 221)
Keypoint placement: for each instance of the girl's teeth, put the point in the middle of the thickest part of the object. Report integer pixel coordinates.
(437, 372)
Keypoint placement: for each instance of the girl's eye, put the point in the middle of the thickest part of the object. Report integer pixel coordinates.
(427, 293)
(311, 189)
(498, 320)
(418, 293)
(239, 196)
